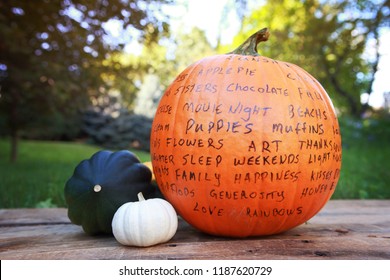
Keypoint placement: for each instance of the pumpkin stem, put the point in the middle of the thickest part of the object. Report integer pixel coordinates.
(141, 196)
(249, 47)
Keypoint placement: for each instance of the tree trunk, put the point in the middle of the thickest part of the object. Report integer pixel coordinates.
(14, 146)
(354, 105)
(375, 63)
(14, 126)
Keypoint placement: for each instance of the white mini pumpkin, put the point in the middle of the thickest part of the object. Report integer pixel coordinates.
(145, 222)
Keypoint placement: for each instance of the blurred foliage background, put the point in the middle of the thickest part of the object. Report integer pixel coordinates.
(76, 72)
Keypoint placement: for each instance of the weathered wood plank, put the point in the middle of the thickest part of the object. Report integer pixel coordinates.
(31, 216)
(342, 230)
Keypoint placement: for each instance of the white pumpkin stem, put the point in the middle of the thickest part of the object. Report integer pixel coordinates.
(141, 196)
(97, 188)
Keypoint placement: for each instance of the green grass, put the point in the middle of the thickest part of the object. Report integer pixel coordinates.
(365, 171)
(38, 178)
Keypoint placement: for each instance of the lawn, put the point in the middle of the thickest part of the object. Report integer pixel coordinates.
(365, 171)
(39, 176)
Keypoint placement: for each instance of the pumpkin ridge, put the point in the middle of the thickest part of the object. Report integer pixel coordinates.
(127, 217)
(141, 222)
(161, 218)
(172, 225)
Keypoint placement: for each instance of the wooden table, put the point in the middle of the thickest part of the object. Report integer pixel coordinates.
(344, 229)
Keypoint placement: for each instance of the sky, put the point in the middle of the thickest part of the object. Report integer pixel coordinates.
(210, 19)
(382, 83)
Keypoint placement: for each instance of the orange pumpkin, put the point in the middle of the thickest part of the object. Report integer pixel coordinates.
(245, 145)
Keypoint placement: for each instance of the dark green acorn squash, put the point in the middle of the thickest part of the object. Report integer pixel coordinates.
(101, 184)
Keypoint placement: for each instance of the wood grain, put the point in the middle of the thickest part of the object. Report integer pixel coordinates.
(344, 229)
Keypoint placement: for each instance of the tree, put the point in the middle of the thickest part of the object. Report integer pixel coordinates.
(164, 58)
(52, 53)
(122, 118)
(327, 39)
(148, 96)
(191, 47)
